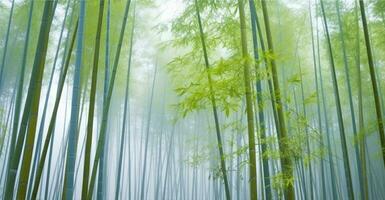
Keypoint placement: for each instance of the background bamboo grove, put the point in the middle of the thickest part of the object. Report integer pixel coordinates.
(192, 99)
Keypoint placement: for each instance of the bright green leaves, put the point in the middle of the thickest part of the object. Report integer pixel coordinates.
(227, 84)
(312, 98)
(296, 78)
(280, 181)
(222, 42)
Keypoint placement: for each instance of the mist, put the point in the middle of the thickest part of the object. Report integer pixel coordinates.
(192, 99)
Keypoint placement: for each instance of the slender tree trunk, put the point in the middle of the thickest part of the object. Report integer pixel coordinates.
(30, 109)
(7, 124)
(90, 125)
(345, 154)
(333, 175)
(322, 174)
(68, 189)
(126, 111)
(107, 103)
(214, 106)
(9, 111)
(298, 161)
(287, 166)
(62, 68)
(51, 125)
(261, 116)
(101, 172)
(168, 163)
(307, 133)
(5, 50)
(19, 95)
(24, 179)
(269, 82)
(42, 120)
(377, 103)
(351, 104)
(361, 128)
(144, 166)
(249, 105)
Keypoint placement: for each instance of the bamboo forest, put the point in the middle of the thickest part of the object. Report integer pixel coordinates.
(192, 99)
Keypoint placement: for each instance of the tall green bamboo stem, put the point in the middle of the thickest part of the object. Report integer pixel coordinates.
(213, 102)
(287, 166)
(341, 127)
